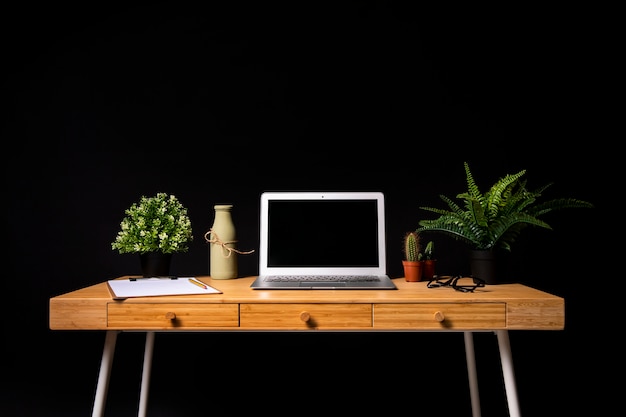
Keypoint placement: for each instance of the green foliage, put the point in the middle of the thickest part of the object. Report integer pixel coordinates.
(155, 224)
(496, 218)
(412, 246)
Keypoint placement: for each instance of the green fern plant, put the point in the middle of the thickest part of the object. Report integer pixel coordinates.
(412, 247)
(494, 220)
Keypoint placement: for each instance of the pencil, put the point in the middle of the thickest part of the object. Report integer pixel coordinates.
(198, 283)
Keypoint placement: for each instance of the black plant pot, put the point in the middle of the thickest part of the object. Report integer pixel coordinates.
(493, 266)
(155, 264)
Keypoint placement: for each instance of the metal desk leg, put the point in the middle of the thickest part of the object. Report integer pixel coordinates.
(471, 373)
(507, 370)
(105, 372)
(145, 379)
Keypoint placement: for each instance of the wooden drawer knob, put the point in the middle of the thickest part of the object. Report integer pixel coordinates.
(170, 315)
(439, 316)
(305, 316)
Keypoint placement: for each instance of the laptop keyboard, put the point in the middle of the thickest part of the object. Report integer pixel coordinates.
(324, 278)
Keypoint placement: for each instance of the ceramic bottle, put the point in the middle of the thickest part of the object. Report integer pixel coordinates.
(222, 259)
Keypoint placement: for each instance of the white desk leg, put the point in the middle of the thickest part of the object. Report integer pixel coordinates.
(145, 378)
(471, 373)
(105, 372)
(507, 370)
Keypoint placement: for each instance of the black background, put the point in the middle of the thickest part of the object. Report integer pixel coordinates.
(105, 103)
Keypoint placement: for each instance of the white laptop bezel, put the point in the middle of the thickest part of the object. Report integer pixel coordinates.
(267, 196)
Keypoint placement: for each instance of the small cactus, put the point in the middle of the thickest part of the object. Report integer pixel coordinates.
(412, 247)
(428, 251)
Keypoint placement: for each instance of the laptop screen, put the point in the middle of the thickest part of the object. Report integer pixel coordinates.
(314, 233)
(322, 233)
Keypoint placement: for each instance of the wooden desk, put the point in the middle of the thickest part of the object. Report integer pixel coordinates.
(413, 307)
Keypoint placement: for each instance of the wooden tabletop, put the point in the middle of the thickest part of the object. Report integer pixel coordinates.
(511, 306)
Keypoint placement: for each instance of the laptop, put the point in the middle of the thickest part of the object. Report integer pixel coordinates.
(322, 240)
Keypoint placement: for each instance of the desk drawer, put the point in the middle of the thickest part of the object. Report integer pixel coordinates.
(306, 316)
(167, 316)
(466, 316)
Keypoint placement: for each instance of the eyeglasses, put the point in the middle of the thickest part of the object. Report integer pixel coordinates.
(459, 282)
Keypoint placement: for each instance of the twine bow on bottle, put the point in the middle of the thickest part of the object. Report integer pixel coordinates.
(216, 240)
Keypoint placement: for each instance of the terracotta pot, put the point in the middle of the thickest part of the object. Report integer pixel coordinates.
(413, 270)
(429, 269)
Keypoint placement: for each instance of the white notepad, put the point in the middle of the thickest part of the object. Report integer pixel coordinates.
(151, 287)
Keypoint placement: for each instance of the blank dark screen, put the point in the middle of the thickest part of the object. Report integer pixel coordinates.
(327, 233)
